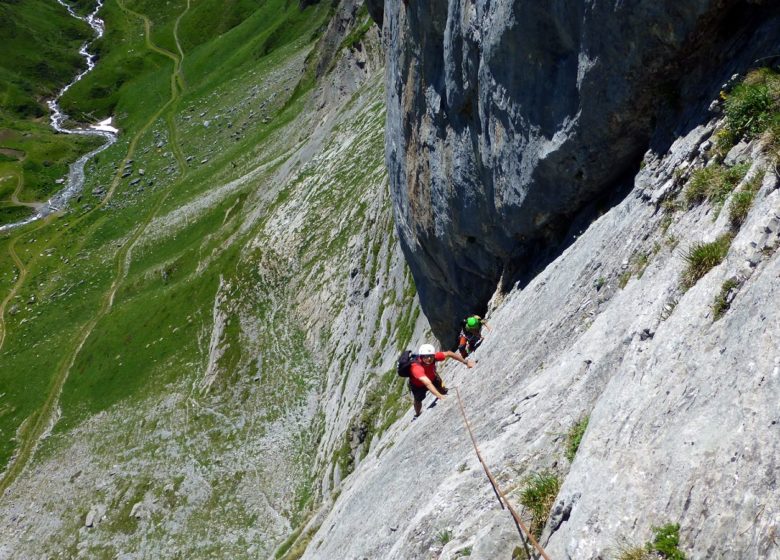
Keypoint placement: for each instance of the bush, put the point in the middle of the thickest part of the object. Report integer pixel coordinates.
(538, 496)
(702, 257)
(666, 542)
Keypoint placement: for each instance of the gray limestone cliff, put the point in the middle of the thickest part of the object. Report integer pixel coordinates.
(542, 162)
(680, 387)
(505, 119)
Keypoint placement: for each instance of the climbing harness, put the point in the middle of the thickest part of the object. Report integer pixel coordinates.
(524, 532)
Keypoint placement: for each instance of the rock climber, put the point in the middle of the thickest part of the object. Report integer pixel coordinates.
(423, 376)
(471, 334)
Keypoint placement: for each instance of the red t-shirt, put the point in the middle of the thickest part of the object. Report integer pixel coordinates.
(420, 370)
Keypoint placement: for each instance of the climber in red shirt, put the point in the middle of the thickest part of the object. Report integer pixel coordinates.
(423, 376)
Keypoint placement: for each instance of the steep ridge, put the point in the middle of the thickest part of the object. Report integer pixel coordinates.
(236, 396)
(632, 291)
(238, 298)
(680, 392)
(506, 119)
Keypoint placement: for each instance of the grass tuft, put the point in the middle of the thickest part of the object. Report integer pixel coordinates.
(664, 546)
(751, 108)
(702, 257)
(754, 105)
(538, 496)
(574, 437)
(634, 553)
(722, 300)
(742, 201)
(714, 184)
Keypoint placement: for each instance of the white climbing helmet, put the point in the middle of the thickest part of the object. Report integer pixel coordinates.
(426, 350)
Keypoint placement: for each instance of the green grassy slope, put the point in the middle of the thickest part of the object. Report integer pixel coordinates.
(40, 51)
(90, 240)
(40, 55)
(182, 281)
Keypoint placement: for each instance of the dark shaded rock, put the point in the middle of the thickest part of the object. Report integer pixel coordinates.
(506, 119)
(646, 334)
(376, 9)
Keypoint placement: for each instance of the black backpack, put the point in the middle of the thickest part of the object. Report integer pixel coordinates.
(405, 361)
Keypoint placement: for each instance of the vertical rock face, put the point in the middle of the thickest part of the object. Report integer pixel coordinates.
(681, 400)
(505, 118)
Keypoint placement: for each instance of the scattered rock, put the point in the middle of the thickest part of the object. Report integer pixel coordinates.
(90, 520)
(715, 107)
(137, 511)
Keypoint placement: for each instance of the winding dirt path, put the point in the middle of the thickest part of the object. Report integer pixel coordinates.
(22, 270)
(15, 196)
(41, 421)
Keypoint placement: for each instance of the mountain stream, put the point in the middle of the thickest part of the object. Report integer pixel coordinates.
(75, 180)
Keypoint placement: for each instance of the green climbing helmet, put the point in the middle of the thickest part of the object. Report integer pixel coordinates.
(472, 322)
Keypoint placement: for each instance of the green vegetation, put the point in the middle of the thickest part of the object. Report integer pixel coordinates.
(740, 206)
(521, 553)
(356, 35)
(752, 108)
(664, 546)
(385, 403)
(636, 266)
(669, 206)
(714, 184)
(629, 552)
(100, 307)
(538, 495)
(742, 201)
(295, 545)
(722, 300)
(666, 542)
(444, 536)
(40, 55)
(131, 297)
(702, 257)
(574, 437)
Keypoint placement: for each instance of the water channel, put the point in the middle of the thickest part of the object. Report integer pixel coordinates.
(75, 179)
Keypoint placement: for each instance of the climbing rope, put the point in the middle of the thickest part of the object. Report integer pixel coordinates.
(524, 532)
